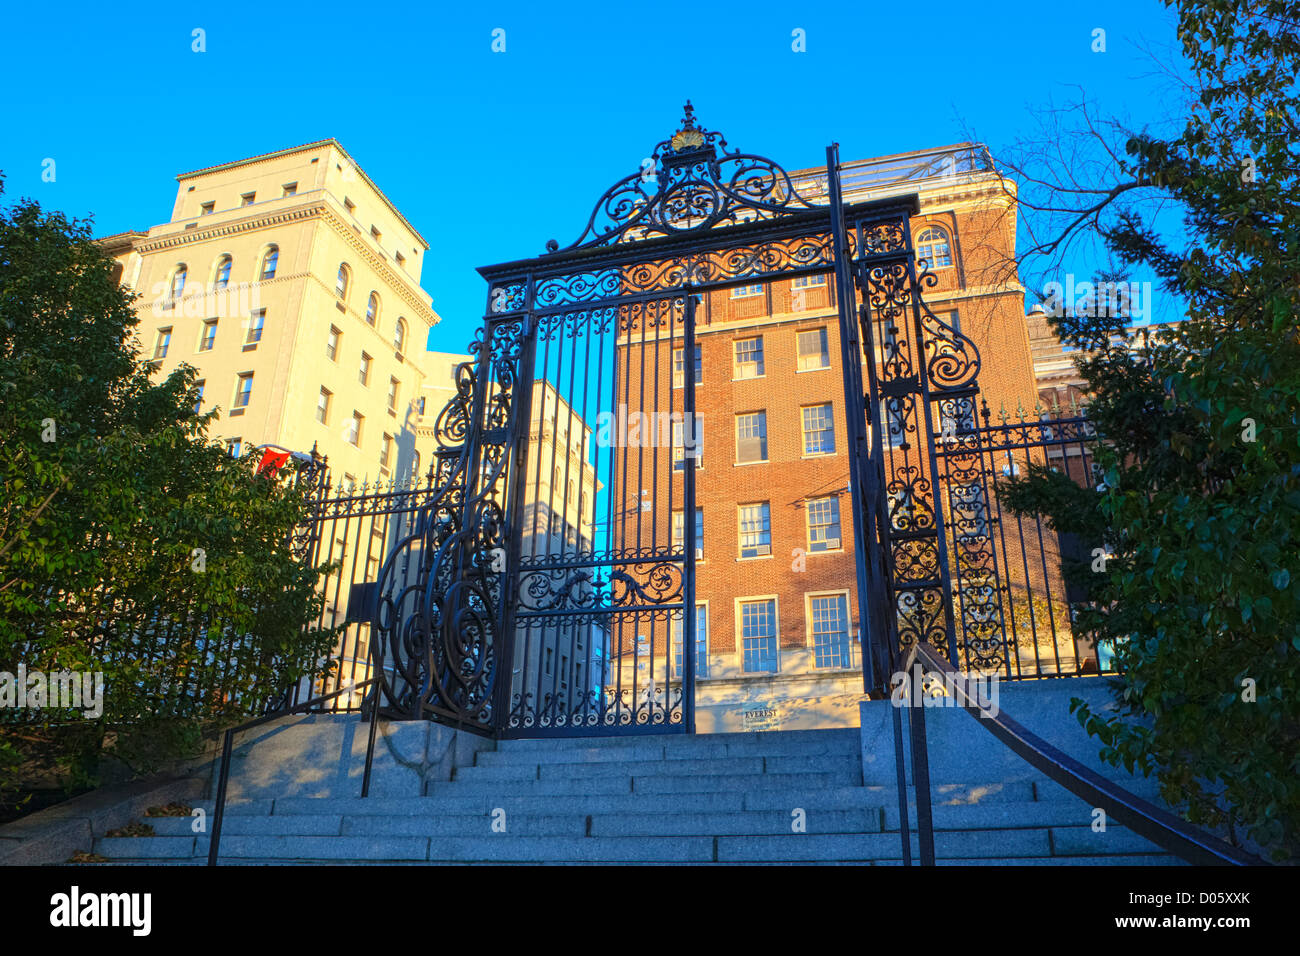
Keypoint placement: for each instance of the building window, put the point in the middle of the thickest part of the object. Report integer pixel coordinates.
(223, 272)
(749, 357)
(323, 406)
(163, 343)
(209, 336)
(758, 636)
(244, 391)
(814, 350)
(932, 246)
(808, 282)
(349, 205)
(354, 429)
(207, 207)
(372, 308)
(679, 532)
(745, 291)
(830, 630)
(247, 199)
(679, 372)
(399, 335)
(269, 262)
(332, 344)
(341, 282)
(393, 386)
(751, 437)
(824, 524)
(415, 467)
(401, 260)
(198, 399)
(235, 446)
(290, 189)
(363, 371)
(818, 430)
(680, 452)
(893, 422)
(178, 281)
(755, 530)
(385, 451)
(256, 321)
(374, 231)
(419, 407)
(701, 642)
(969, 513)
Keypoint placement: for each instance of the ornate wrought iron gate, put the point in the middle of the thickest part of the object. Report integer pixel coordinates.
(554, 575)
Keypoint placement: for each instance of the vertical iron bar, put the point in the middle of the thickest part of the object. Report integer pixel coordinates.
(688, 516)
(218, 811)
(921, 767)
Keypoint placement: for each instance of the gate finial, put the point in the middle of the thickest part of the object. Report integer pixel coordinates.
(688, 121)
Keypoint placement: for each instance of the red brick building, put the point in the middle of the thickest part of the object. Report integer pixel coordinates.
(777, 625)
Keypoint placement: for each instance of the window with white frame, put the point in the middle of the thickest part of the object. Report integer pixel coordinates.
(332, 344)
(244, 390)
(681, 452)
(749, 357)
(751, 437)
(746, 291)
(814, 350)
(178, 281)
(208, 338)
(755, 530)
(808, 282)
(363, 370)
(679, 371)
(372, 308)
(198, 401)
(824, 524)
(385, 451)
(163, 344)
(270, 262)
(399, 334)
(256, 322)
(893, 421)
(342, 280)
(829, 616)
(818, 430)
(679, 532)
(758, 636)
(223, 272)
(353, 435)
(932, 246)
(393, 386)
(323, 405)
(701, 642)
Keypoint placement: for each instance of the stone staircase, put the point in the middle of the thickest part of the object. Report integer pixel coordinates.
(724, 798)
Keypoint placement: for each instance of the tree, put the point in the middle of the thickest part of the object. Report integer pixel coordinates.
(129, 543)
(1199, 506)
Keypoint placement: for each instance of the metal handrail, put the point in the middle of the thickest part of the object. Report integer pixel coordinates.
(218, 812)
(1147, 820)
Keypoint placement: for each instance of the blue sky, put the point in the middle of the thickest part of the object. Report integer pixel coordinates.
(491, 154)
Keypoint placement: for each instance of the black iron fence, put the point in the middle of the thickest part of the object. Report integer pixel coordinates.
(1011, 598)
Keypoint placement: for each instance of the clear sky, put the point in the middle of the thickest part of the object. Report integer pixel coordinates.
(491, 154)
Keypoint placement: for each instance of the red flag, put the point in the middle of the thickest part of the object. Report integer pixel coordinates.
(271, 462)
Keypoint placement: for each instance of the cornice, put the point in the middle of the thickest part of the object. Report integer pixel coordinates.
(263, 220)
(377, 263)
(319, 209)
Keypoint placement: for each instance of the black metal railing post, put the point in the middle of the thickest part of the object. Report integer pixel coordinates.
(218, 811)
(920, 766)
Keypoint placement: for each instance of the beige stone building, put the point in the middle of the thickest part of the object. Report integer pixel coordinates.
(292, 283)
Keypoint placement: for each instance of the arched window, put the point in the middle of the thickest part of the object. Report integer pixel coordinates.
(223, 272)
(415, 467)
(178, 281)
(269, 261)
(932, 246)
(341, 284)
(399, 334)
(372, 308)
